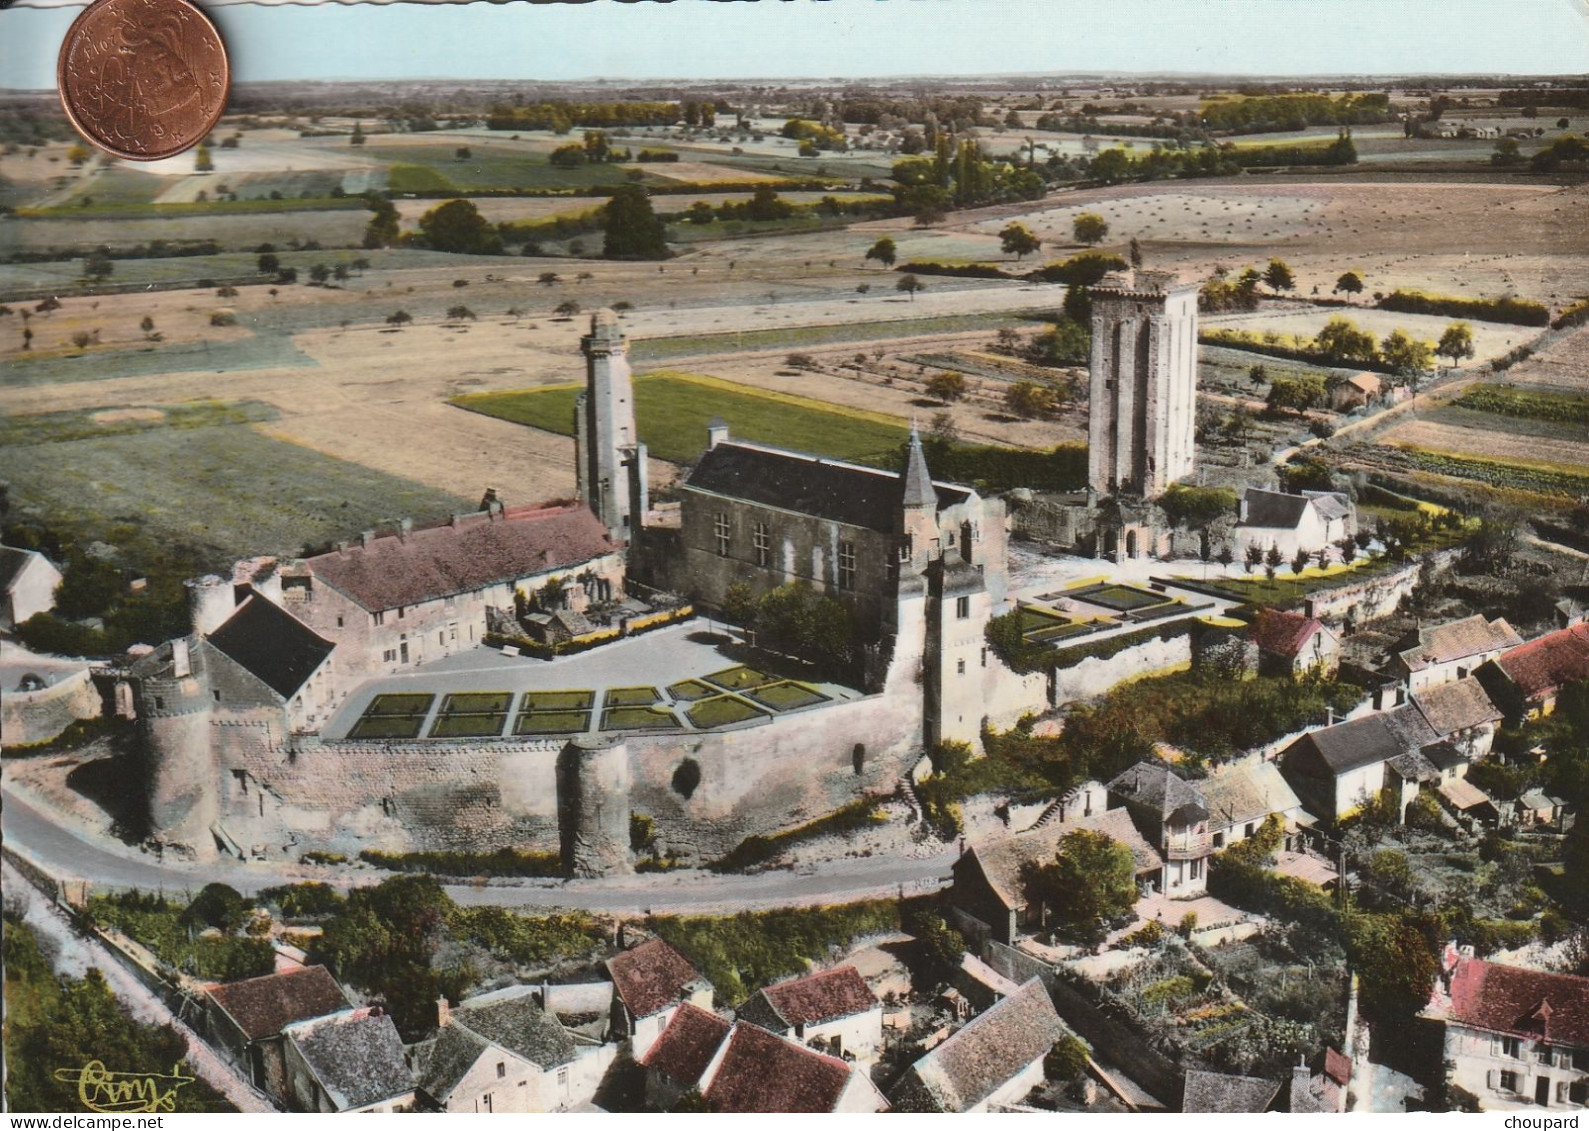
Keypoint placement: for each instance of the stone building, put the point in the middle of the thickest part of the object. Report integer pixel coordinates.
(833, 1011)
(1143, 410)
(610, 459)
(27, 585)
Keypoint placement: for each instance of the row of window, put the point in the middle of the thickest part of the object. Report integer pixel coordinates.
(1541, 1053)
(1566, 1092)
(379, 618)
(761, 547)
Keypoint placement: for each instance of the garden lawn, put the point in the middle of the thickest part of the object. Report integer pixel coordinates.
(387, 726)
(400, 704)
(689, 690)
(469, 726)
(787, 696)
(738, 679)
(553, 722)
(639, 718)
(558, 700)
(630, 697)
(672, 410)
(477, 703)
(1121, 598)
(725, 710)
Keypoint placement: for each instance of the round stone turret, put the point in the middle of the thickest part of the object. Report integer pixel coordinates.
(593, 807)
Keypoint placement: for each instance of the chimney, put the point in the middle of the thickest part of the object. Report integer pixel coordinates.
(1329, 714)
(405, 528)
(716, 431)
(181, 665)
(1301, 1087)
(366, 538)
(443, 1012)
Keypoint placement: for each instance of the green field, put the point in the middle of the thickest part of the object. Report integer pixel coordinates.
(805, 337)
(222, 491)
(426, 168)
(672, 411)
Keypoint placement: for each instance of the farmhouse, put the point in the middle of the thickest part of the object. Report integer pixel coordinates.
(1293, 644)
(1525, 681)
(757, 1071)
(1357, 391)
(1340, 768)
(244, 1020)
(1311, 521)
(678, 1059)
(1461, 714)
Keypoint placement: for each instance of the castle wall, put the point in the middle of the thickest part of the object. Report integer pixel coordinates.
(1373, 597)
(28, 718)
(1095, 675)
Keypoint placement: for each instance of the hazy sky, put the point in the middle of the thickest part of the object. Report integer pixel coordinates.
(863, 38)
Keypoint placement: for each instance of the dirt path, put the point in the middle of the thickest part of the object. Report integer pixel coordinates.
(75, 954)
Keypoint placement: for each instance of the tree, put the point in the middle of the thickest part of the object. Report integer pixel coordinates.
(1029, 400)
(1253, 558)
(319, 273)
(1278, 277)
(1089, 228)
(548, 278)
(766, 204)
(340, 272)
(357, 136)
(883, 251)
(939, 946)
(946, 385)
(569, 156)
(97, 265)
(219, 906)
(1258, 374)
(460, 314)
(1135, 254)
(1395, 963)
(630, 226)
(1341, 340)
(700, 213)
(463, 153)
(1018, 240)
(457, 226)
(287, 276)
(1091, 882)
(78, 155)
(147, 325)
(1350, 283)
(1407, 356)
(202, 161)
(383, 226)
(1456, 343)
(1507, 152)
(566, 309)
(1300, 562)
(399, 318)
(1298, 394)
(739, 604)
(909, 284)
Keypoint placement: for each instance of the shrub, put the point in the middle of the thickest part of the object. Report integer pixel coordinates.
(1520, 312)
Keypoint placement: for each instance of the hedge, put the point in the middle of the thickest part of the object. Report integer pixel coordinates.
(1114, 645)
(502, 862)
(963, 270)
(1575, 315)
(1238, 340)
(1517, 311)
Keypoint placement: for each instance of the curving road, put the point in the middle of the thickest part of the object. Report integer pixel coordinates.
(68, 854)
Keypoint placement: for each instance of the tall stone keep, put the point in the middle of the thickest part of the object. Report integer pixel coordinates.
(1143, 414)
(607, 449)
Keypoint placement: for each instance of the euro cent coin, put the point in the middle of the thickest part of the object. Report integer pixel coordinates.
(143, 79)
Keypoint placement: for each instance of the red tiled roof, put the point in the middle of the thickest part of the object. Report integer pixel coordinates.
(478, 550)
(687, 1045)
(811, 1000)
(1281, 633)
(763, 1072)
(650, 977)
(1530, 1003)
(1544, 665)
(263, 1006)
(1337, 1067)
(1458, 639)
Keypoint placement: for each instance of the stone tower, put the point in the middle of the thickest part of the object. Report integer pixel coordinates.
(611, 461)
(1143, 411)
(593, 807)
(175, 712)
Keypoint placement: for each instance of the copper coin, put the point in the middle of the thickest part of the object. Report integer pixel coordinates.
(143, 79)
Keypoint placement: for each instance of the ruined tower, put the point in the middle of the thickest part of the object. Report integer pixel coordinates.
(175, 712)
(1143, 410)
(593, 807)
(610, 459)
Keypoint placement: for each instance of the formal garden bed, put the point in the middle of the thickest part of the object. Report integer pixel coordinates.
(740, 678)
(639, 718)
(552, 722)
(689, 690)
(721, 711)
(786, 696)
(630, 697)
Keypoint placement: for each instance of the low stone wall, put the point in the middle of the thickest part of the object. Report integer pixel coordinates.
(28, 718)
(585, 997)
(1094, 676)
(1373, 597)
(1116, 1040)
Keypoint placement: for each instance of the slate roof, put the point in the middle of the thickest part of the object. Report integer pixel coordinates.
(1542, 666)
(1160, 789)
(1445, 756)
(825, 996)
(12, 562)
(445, 1061)
(357, 1057)
(1283, 633)
(1217, 1092)
(263, 1006)
(514, 1020)
(687, 1045)
(1373, 738)
(1536, 799)
(1272, 509)
(1529, 1003)
(1458, 639)
(1456, 706)
(1003, 861)
(1415, 766)
(650, 977)
(1237, 794)
(763, 1072)
(984, 1056)
(866, 497)
(428, 563)
(274, 645)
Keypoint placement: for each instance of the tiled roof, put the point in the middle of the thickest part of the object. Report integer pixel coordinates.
(1241, 793)
(1415, 766)
(1542, 666)
(1337, 1067)
(1283, 633)
(271, 643)
(445, 1061)
(831, 489)
(1459, 639)
(1456, 706)
(983, 974)
(1509, 999)
(512, 1019)
(428, 563)
(810, 1000)
(1373, 738)
(1537, 799)
(357, 1057)
(687, 1045)
(1272, 509)
(1463, 794)
(1004, 861)
(1160, 789)
(1331, 505)
(985, 1055)
(650, 977)
(1217, 1092)
(263, 1006)
(762, 1072)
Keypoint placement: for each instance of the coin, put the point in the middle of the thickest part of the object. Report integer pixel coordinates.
(143, 79)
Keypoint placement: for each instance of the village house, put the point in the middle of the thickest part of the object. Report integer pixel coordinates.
(978, 985)
(1537, 809)
(1323, 1092)
(989, 892)
(649, 982)
(1462, 715)
(243, 1021)
(28, 581)
(1357, 391)
(757, 1071)
(1442, 653)
(1172, 815)
(994, 1061)
(1311, 521)
(1338, 769)
(1514, 1038)
(1525, 681)
(678, 1058)
(1240, 797)
(502, 1052)
(399, 598)
(352, 1061)
(1218, 1092)
(833, 1011)
(1291, 644)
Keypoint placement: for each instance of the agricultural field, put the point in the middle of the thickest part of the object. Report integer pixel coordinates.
(672, 410)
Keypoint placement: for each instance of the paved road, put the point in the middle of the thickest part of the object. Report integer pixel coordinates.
(68, 854)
